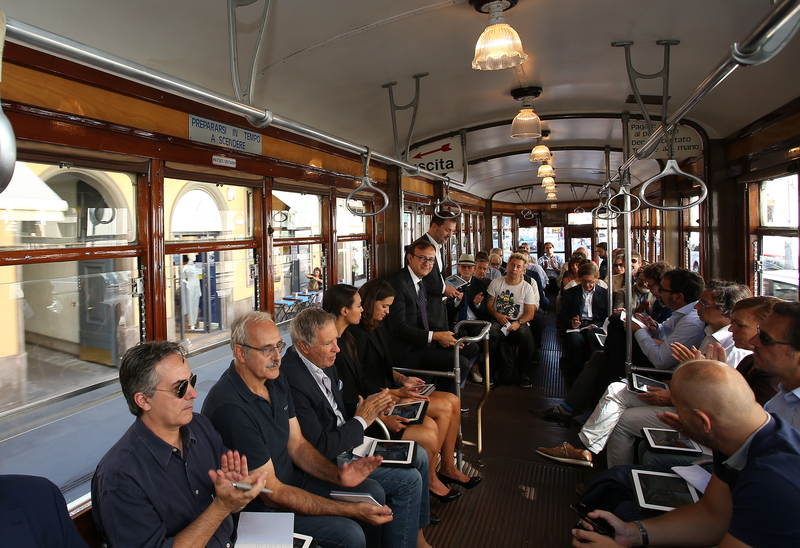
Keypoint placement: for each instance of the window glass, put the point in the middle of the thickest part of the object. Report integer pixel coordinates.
(581, 242)
(353, 263)
(408, 226)
(555, 236)
(694, 251)
(294, 268)
(779, 276)
(779, 202)
(45, 206)
(206, 211)
(66, 327)
(296, 215)
(346, 222)
(508, 238)
(529, 235)
(584, 218)
(205, 292)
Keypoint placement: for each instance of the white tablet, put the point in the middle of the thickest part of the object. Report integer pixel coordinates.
(413, 411)
(639, 383)
(303, 541)
(394, 452)
(670, 440)
(349, 496)
(661, 491)
(426, 389)
(455, 281)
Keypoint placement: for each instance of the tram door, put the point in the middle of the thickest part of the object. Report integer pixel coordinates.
(208, 313)
(580, 236)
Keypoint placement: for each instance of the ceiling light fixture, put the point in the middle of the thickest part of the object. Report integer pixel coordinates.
(551, 197)
(546, 170)
(540, 153)
(526, 124)
(499, 46)
(548, 183)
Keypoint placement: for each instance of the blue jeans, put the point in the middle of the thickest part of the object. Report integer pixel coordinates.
(407, 495)
(335, 531)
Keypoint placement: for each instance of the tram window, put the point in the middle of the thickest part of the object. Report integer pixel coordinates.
(296, 215)
(495, 231)
(353, 263)
(293, 264)
(346, 222)
(66, 327)
(205, 292)
(602, 233)
(45, 206)
(555, 236)
(778, 242)
(579, 218)
(529, 235)
(508, 238)
(408, 226)
(207, 211)
(778, 202)
(779, 276)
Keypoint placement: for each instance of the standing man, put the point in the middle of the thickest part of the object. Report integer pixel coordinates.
(512, 303)
(413, 334)
(439, 234)
(552, 265)
(601, 252)
(323, 416)
(159, 485)
(252, 408)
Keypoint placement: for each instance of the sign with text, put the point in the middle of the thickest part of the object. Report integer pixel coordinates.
(440, 157)
(687, 142)
(210, 132)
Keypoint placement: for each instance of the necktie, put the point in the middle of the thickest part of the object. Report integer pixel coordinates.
(423, 307)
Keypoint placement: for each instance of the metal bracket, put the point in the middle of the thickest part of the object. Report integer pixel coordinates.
(137, 287)
(394, 107)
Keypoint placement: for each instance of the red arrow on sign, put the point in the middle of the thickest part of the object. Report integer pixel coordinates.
(443, 148)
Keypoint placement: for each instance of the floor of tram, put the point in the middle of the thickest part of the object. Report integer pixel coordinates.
(524, 499)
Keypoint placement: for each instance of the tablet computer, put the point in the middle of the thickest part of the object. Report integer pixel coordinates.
(303, 541)
(666, 439)
(426, 389)
(414, 411)
(660, 491)
(639, 383)
(395, 452)
(455, 281)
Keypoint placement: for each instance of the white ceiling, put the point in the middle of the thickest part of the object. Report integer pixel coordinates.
(324, 62)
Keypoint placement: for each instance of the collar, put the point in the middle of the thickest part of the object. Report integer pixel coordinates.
(792, 397)
(315, 371)
(686, 309)
(240, 386)
(434, 242)
(738, 460)
(721, 334)
(161, 450)
(587, 293)
(416, 280)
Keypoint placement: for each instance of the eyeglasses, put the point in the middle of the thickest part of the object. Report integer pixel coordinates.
(423, 259)
(268, 350)
(649, 285)
(704, 305)
(766, 340)
(618, 265)
(182, 388)
(665, 290)
(634, 261)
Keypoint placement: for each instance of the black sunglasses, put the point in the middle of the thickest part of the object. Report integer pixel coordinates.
(182, 388)
(620, 265)
(766, 340)
(268, 350)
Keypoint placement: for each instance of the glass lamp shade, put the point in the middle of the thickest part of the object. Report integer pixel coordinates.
(548, 183)
(540, 153)
(499, 47)
(551, 197)
(526, 125)
(546, 170)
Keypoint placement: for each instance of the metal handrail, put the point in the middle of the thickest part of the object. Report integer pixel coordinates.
(8, 143)
(71, 50)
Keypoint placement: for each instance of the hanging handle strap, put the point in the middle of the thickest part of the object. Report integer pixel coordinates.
(672, 168)
(8, 143)
(439, 209)
(366, 185)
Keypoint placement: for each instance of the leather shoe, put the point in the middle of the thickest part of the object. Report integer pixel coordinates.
(434, 519)
(567, 454)
(552, 415)
(449, 497)
(475, 376)
(524, 380)
(469, 484)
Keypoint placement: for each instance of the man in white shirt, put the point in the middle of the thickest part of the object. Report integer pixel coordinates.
(439, 234)
(512, 303)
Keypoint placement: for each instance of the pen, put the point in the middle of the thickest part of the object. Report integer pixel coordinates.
(246, 487)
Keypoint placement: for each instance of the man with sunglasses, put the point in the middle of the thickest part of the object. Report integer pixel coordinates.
(167, 481)
(421, 341)
(777, 351)
(252, 408)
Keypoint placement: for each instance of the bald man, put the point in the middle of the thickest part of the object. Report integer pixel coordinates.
(754, 493)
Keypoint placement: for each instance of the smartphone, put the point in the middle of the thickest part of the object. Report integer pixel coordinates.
(599, 525)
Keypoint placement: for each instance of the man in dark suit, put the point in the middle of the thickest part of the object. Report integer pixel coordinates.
(439, 234)
(585, 308)
(323, 418)
(415, 338)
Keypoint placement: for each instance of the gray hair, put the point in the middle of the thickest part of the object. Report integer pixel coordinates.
(137, 373)
(495, 255)
(306, 325)
(240, 328)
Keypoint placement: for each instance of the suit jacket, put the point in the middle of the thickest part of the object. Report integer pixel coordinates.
(314, 413)
(434, 288)
(408, 335)
(572, 302)
(370, 371)
(474, 288)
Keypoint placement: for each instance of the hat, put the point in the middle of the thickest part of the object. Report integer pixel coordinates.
(466, 258)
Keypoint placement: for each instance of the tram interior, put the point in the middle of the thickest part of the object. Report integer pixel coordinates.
(123, 223)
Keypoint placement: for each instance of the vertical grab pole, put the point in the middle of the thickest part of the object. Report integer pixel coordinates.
(610, 250)
(487, 389)
(625, 181)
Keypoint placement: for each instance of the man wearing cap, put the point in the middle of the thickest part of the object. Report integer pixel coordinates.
(468, 304)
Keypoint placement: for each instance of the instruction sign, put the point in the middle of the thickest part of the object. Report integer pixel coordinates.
(210, 132)
(687, 142)
(440, 157)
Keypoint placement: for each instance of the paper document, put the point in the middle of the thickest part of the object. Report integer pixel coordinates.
(696, 476)
(265, 530)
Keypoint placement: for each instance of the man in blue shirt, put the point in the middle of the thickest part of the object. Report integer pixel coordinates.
(159, 484)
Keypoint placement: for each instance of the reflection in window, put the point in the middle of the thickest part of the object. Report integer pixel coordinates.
(45, 206)
(295, 268)
(779, 275)
(346, 222)
(296, 215)
(555, 235)
(353, 263)
(205, 292)
(206, 211)
(66, 327)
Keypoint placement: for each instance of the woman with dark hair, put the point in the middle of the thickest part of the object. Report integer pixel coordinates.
(364, 364)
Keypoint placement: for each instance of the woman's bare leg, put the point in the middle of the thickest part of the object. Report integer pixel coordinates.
(448, 467)
(427, 435)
